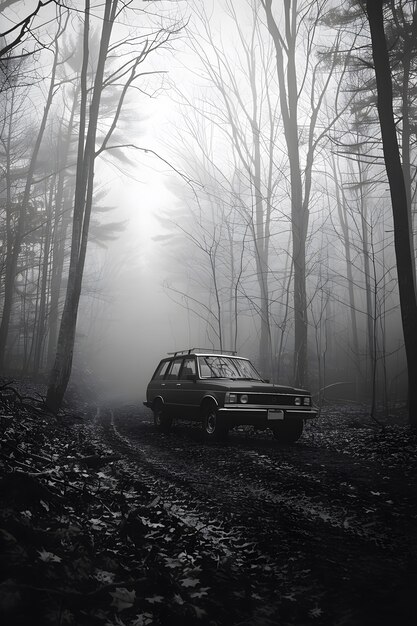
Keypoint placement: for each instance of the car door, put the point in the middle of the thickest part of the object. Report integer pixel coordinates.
(188, 389)
(173, 387)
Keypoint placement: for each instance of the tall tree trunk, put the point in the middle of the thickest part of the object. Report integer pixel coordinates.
(39, 335)
(61, 224)
(406, 133)
(62, 218)
(9, 274)
(261, 241)
(367, 254)
(61, 369)
(401, 215)
(288, 94)
(341, 209)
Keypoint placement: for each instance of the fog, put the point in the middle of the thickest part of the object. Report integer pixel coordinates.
(128, 322)
(214, 238)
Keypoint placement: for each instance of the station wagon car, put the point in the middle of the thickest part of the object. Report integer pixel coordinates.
(222, 390)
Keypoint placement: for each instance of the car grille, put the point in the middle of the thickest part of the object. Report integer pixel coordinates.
(269, 399)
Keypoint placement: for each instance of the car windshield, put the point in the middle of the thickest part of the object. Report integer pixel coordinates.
(227, 367)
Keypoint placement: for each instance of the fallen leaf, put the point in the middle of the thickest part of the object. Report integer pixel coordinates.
(149, 524)
(290, 596)
(96, 523)
(172, 563)
(190, 582)
(198, 594)
(155, 599)
(48, 557)
(104, 577)
(116, 622)
(122, 598)
(200, 613)
(316, 612)
(143, 619)
(178, 599)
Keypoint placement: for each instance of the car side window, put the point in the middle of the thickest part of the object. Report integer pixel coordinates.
(161, 370)
(174, 370)
(189, 368)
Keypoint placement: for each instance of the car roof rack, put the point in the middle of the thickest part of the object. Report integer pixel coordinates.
(203, 350)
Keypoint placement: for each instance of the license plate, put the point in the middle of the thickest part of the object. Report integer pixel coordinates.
(274, 414)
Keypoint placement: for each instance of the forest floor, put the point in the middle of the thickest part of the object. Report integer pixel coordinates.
(106, 522)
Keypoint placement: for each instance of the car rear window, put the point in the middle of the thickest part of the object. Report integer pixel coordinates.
(161, 370)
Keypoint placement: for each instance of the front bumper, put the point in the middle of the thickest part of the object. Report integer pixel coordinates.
(264, 416)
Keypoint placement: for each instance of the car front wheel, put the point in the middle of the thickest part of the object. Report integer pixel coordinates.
(213, 429)
(288, 431)
(162, 421)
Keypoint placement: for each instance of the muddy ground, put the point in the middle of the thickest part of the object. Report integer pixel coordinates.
(318, 532)
(137, 527)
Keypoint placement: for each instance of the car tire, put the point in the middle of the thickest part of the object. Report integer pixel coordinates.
(213, 429)
(288, 431)
(162, 421)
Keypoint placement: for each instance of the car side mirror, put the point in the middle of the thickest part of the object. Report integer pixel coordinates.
(266, 380)
(192, 377)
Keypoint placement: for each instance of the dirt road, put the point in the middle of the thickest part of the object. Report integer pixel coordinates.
(302, 534)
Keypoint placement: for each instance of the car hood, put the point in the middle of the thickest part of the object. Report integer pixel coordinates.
(252, 385)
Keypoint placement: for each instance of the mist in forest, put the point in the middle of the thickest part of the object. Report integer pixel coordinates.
(234, 195)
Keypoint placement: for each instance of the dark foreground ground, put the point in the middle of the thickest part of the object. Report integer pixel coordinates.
(105, 521)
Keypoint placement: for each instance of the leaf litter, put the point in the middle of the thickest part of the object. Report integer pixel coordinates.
(88, 542)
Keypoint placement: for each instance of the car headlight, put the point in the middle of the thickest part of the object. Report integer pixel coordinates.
(244, 398)
(307, 401)
(231, 398)
(297, 401)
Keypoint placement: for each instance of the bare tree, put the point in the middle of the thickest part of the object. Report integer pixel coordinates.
(286, 36)
(89, 114)
(342, 210)
(401, 214)
(14, 36)
(240, 107)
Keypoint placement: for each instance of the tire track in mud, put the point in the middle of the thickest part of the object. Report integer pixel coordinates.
(159, 481)
(231, 527)
(272, 483)
(222, 517)
(268, 496)
(265, 513)
(265, 575)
